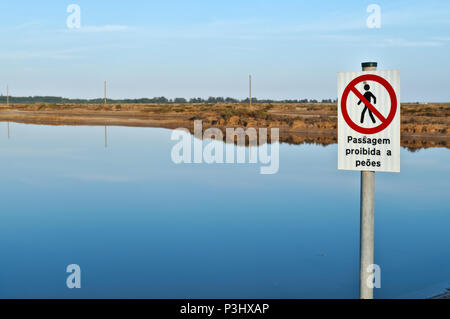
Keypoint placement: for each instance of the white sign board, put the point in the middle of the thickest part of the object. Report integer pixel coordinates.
(369, 121)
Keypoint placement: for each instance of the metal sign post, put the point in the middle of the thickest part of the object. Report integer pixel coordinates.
(367, 220)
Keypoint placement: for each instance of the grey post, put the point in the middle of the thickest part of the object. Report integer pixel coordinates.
(250, 89)
(367, 220)
(7, 103)
(106, 130)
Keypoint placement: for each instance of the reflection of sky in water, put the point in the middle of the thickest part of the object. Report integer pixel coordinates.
(141, 226)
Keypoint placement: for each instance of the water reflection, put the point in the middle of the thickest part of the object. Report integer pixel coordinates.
(141, 226)
(106, 136)
(410, 142)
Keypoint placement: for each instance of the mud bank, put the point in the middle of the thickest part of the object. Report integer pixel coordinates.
(423, 125)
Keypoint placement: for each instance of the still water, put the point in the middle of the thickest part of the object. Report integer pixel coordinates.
(141, 226)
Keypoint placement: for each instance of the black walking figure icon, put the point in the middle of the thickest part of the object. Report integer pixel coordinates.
(369, 96)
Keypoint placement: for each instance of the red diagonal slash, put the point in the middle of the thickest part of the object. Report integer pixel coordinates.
(367, 103)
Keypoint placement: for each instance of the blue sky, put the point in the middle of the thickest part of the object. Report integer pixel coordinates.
(293, 49)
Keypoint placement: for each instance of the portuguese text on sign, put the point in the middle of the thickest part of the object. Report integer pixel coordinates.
(369, 121)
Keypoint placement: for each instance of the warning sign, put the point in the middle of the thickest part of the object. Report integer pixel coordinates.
(369, 121)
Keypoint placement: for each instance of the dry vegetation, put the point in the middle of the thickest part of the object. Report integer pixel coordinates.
(423, 125)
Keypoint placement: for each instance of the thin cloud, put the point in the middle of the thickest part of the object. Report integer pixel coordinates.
(442, 39)
(28, 25)
(39, 54)
(104, 28)
(384, 42)
(409, 43)
(100, 178)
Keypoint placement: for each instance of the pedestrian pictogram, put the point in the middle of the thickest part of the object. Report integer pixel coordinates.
(369, 120)
(366, 99)
(369, 97)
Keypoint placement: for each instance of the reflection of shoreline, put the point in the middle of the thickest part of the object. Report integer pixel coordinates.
(423, 126)
(412, 143)
(443, 295)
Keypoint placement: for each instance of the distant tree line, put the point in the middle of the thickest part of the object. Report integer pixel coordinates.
(155, 100)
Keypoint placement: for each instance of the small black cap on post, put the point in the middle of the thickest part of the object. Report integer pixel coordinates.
(369, 64)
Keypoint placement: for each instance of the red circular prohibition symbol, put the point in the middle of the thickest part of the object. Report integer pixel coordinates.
(384, 121)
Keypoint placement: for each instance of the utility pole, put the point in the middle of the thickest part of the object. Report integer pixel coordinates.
(367, 220)
(250, 89)
(106, 129)
(7, 104)
(105, 92)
